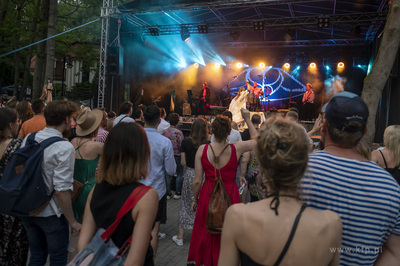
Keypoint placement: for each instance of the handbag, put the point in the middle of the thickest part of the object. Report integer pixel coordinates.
(78, 187)
(219, 201)
(101, 250)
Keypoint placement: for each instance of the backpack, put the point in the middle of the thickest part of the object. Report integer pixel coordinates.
(23, 191)
(219, 201)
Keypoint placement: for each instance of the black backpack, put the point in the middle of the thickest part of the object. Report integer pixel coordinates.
(23, 191)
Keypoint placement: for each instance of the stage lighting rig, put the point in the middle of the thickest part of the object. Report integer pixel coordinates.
(286, 65)
(261, 65)
(258, 25)
(323, 22)
(217, 65)
(235, 35)
(203, 28)
(185, 34)
(154, 31)
(313, 65)
(340, 65)
(239, 65)
(196, 65)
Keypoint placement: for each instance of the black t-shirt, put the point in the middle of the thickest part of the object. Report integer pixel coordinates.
(245, 134)
(189, 150)
(106, 202)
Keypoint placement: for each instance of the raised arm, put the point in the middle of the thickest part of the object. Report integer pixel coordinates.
(243, 146)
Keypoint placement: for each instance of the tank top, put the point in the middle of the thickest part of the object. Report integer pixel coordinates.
(247, 261)
(106, 202)
(395, 172)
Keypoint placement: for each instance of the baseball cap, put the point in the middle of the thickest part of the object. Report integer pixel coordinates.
(345, 107)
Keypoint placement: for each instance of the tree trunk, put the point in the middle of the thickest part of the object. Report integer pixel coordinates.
(3, 11)
(375, 82)
(51, 44)
(16, 46)
(39, 74)
(30, 50)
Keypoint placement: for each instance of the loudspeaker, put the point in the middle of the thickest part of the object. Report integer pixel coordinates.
(115, 61)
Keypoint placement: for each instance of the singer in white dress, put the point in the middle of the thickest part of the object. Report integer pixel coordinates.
(238, 103)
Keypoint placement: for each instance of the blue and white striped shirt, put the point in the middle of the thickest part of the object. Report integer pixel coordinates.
(366, 197)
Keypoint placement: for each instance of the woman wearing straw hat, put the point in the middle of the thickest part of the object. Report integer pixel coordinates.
(87, 153)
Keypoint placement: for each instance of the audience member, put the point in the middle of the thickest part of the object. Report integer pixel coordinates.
(111, 116)
(283, 154)
(233, 135)
(37, 122)
(48, 232)
(256, 120)
(389, 157)
(13, 239)
(198, 137)
(102, 133)
(364, 195)
(176, 137)
(123, 165)
(125, 112)
(161, 161)
(163, 124)
(138, 116)
(25, 111)
(222, 156)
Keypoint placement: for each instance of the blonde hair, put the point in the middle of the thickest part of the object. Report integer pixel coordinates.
(238, 94)
(391, 140)
(282, 152)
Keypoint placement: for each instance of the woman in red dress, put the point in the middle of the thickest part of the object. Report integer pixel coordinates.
(204, 246)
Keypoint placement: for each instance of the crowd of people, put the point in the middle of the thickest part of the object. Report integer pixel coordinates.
(298, 203)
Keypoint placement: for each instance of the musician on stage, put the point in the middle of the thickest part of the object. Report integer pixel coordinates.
(254, 96)
(308, 103)
(205, 96)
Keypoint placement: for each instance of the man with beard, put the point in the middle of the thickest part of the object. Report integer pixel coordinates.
(48, 231)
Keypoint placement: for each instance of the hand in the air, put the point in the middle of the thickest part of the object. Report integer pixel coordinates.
(245, 114)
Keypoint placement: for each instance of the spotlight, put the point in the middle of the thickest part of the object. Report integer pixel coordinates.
(239, 65)
(154, 31)
(203, 28)
(235, 35)
(258, 25)
(340, 65)
(323, 22)
(217, 65)
(313, 65)
(359, 66)
(185, 34)
(298, 67)
(286, 65)
(262, 65)
(327, 67)
(196, 65)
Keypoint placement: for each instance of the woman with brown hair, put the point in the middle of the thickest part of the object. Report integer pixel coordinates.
(13, 239)
(198, 137)
(25, 111)
(221, 158)
(122, 166)
(295, 234)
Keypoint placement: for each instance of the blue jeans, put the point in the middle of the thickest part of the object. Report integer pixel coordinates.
(47, 235)
(179, 176)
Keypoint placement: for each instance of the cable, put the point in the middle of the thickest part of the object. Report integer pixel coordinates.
(48, 38)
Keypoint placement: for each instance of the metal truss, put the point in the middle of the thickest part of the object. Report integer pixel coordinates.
(373, 18)
(188, 5)
(296, 43)
(106, 11)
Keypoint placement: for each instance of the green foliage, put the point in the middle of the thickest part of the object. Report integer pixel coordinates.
(81, 91)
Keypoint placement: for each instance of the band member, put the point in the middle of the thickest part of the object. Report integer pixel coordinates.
(308, 102)
(205, 99)
(254, 96)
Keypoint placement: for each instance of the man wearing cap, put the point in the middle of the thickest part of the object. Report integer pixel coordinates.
(308, 101)
(364, 195)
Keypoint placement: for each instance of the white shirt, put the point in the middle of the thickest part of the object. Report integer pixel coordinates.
(232, 138)
(161, 160)
(124, 118)
(164, 125)
(57, 168)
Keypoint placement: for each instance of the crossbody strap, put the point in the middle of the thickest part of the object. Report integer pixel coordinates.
(289, 241)
(130, 202)
(384, 160)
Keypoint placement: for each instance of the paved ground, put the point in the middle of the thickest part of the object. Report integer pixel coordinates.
(168, 252)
